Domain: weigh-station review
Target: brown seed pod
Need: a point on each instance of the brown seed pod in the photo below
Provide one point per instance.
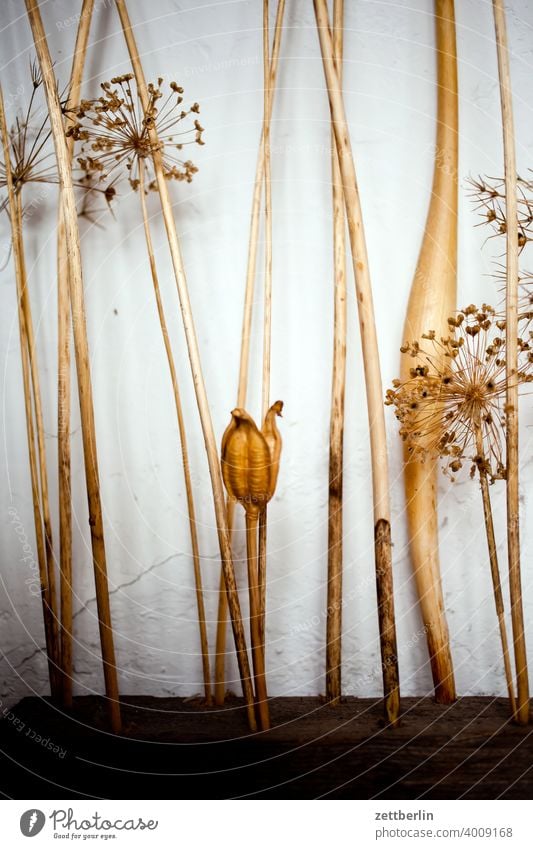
(250, 459)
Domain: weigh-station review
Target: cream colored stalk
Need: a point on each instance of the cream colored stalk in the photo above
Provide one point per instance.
(267, 312)
(199, 385)
(512, 334)
(374, 391)
(432, 300)
(82, 361)
(63, 382)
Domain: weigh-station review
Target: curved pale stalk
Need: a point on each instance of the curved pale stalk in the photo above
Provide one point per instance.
(338, 383)
(495, 571)
(184, 451)
(63, 383)
(198, 380)
(50, 622)
(432, 300)
(374, 390)
(245, 342)
(81, 348)
(511, 408)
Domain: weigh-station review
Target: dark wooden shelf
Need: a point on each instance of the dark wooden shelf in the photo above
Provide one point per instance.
(178, 748)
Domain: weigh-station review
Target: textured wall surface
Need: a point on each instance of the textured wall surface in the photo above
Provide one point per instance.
(215, 51)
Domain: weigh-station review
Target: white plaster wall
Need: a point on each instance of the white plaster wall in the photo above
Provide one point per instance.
(214, 50)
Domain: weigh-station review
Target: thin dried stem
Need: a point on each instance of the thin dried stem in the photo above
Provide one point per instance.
(267, 311)
(338, 383)
(257, 646)
(199, 385)
(511, 310)
(64, 383)
(46, 600)
(495, 571)
(82, 363)
(245, 340)
(39, 430)
(370, 348)
(184, 450)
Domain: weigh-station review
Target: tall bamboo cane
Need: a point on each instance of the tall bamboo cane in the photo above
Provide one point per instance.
(511, 309)
(338, 383)
(199, 385)
(374, 391)
(49, 620)
(245, 338)
(432, 300)
(183, 441)
(82, 362)
(63, 382)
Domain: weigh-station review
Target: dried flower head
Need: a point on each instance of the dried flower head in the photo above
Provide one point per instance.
(31, 151)
(453, 404)
(114, 131)
(31, 157)
(488, 195)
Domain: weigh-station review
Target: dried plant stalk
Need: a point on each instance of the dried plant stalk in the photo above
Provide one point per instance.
(267, 293)
(29, 334)
(255, 613)
(432, 300)
(42, 544)
(495, 573)
(369, 343)
(63, 383)
(184, 450)
(511, 313)
(81, 348)
(245, 344)
(267, 313)
(338, 383)
(199, 385)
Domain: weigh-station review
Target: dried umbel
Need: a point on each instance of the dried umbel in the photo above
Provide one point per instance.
(115, 131)
(488, 195)
(31, 153)
(457, 411)
(453, 406)
(250, 458)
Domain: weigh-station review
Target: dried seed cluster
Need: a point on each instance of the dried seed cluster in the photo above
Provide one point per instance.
(114, 131)
(488, 194)
(453, 404)
(32, 156)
